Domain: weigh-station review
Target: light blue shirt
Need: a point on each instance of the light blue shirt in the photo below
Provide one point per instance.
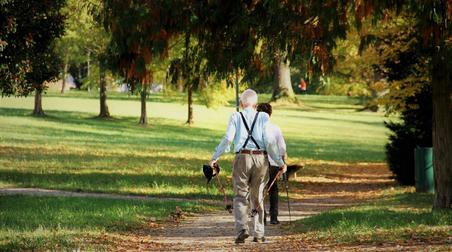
(236, 133)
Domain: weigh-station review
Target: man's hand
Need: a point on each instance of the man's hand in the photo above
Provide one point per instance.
(212, 163)
(283, 168)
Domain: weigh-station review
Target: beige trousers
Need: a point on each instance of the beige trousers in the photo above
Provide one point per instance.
(249, 176)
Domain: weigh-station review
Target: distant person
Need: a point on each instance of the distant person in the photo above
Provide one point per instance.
(249, 132)
(273, 170)
(303, 86)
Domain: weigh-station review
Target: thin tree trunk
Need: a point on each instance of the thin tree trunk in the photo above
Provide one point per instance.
(188, 79)
(88, 70)
(143, 117)
(180, 85)
(282, 85)
(237, 102)
(104, 113)
(63, 86)
(190, 105)
(38, 111)
(442, 126)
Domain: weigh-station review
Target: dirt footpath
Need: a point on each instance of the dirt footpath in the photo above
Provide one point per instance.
(309, 195)
(330, 186)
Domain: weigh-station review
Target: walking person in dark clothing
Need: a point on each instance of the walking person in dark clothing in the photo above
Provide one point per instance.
(273, 169)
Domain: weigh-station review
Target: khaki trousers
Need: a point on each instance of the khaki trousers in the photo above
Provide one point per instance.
(249, 176)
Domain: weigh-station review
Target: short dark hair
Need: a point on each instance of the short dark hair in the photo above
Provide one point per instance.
(265, 107)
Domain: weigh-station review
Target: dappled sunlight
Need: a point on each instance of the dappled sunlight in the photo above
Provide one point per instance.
(340, 184)
(74, 151)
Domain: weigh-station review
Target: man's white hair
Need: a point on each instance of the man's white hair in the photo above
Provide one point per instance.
(248, 98)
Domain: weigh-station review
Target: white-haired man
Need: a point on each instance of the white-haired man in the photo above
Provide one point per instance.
(249, 132)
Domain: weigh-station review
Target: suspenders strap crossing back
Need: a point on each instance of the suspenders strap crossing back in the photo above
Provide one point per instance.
(250, 131)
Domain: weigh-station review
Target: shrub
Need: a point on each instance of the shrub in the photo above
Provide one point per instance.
(414, 130)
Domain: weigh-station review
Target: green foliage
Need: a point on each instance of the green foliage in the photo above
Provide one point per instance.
(403, 61)
(25, 59)
(354, 70)
(138, 36)
(414, 130)
(85, 40)
(72, 45)
(216, 95)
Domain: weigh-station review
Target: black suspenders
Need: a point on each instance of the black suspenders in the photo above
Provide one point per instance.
(250, 131)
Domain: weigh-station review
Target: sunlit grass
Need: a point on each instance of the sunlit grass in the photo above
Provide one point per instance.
(70, 149)
(400, 216)
(31, 223)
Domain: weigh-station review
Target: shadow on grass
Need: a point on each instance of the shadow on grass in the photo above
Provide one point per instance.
(123, 130)
(162, 133)
(161, 98)
(330, 150)
(333, 120)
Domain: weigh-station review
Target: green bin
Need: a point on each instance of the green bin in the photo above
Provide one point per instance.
(423, 168)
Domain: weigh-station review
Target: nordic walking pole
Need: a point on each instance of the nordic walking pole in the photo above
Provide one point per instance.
(254, 211)
(225, 199)
(286, 182)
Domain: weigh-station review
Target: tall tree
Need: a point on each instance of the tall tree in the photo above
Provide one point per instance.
(28, 35)
(190, 70)
(45, 68)
(282, 83)
(70, 46)
(86, 42)
(234, 31)
(440, 24)
(434, 22)
(141, 31)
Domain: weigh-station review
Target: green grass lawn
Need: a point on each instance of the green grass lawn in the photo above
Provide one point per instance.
(71, 150)
(400, 217)
(30, 223)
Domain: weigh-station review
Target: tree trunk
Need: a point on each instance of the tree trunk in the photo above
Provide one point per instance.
(143, 117)
(104, 113)
(88, 70)
(180, 85)
(190, 105)
(38, 103)
(282, 84)
(63, 86)
(237, 88)
(442, 126)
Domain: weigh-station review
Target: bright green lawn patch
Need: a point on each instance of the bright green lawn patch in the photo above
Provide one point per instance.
(71, 150)
(399, 217)
(28, 223)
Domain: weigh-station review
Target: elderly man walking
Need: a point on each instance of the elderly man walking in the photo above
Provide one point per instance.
(249, 132)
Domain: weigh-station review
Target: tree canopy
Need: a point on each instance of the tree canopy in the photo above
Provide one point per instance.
(30, 30)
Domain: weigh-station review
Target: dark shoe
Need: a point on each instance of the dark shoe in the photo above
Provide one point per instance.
(242, 236)
(274, 221)
(259, 239)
